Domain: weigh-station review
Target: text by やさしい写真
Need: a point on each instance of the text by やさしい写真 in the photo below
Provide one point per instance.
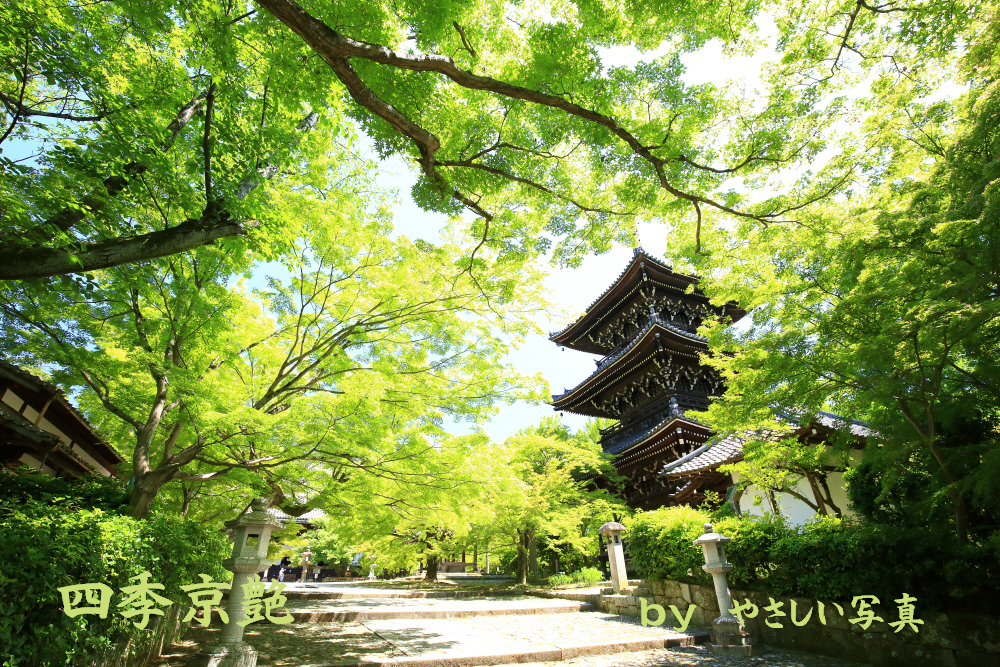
(746, 609)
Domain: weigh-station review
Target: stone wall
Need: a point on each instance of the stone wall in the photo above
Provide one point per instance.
(944, 640)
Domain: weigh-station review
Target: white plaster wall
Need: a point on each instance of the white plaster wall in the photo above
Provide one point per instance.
(12, 399)
(32, 462)
(89, 459)
(796, 511)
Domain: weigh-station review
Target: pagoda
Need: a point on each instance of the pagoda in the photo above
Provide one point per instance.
(644, 327)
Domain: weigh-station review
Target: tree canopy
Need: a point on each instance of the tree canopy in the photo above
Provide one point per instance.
(350, 364)
(883, 306)
(161, 124)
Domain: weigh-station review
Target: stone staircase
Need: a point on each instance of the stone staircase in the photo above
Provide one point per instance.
(346, 626)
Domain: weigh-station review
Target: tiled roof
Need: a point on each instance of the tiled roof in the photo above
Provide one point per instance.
(635, 254)
(19, 423)
(309, 516)
(28, 379)
(730, 448)
(837, 423)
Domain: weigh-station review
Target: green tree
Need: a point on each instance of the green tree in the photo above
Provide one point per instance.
(884, 307)
(161, 121)
(424, 515)
(349, 366)
(547, 489)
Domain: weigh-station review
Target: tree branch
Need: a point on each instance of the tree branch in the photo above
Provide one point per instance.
(26, 111)
(206, 144)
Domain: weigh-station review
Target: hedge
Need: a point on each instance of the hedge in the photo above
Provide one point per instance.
(828, 559)
(587, 575)
(55, 542)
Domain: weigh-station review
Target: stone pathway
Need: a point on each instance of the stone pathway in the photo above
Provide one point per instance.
(315, 609)
(381, 627)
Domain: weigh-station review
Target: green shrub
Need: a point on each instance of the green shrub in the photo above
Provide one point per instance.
(838, 559)
(829, 559)
(91, 492)
(660, 543)
(49, 545)
(750, 550)
(560, 580)
(587, 575)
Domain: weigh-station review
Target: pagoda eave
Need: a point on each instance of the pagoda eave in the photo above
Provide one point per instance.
(673, 432)
(659, 341)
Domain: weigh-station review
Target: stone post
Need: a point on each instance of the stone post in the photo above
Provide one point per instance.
(616, 555)
(252, 535)
(728, 637)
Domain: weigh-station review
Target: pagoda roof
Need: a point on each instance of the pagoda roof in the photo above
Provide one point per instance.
(655, 336)
(666, 433)
(642, 269)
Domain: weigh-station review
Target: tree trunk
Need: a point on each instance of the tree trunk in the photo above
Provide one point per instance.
(145, 488)
(820, 503)
(188, 495)
(961, 514)
(829, 497)
(432, 569)
(929, 436)
(522, 558)
(773, 502)
(141, 502)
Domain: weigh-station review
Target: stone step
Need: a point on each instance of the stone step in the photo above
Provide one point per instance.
(564, 651)
(456, 642)
(641, 591)
(314, 592)
(583, 596)
(349, 611)
(363, 615)
(376, 595)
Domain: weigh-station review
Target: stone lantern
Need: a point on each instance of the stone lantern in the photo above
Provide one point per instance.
(612, 531)
(306, 555)
(728, 637)
(252, 535)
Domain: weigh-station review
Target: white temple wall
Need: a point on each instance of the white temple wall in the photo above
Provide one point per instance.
(796, 511)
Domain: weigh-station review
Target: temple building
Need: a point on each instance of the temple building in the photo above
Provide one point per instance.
(644, 327)
(39, 428)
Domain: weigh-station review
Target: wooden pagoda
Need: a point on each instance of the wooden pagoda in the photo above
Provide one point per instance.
(645, 328)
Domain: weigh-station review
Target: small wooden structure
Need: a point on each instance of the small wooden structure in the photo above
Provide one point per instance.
(41, 429)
